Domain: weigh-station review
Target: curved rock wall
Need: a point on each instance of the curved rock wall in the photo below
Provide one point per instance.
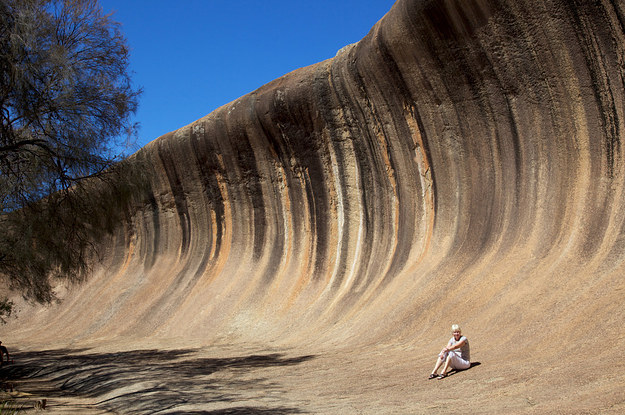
(461, 163)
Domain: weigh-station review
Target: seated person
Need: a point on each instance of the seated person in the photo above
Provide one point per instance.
(455, 355)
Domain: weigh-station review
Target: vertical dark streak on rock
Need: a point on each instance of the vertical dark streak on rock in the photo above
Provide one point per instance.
(177, 190)
(250, 180)
(366, 159)
(156, 229)
(302, 125)
(286, 133)
(276, 246)
(399, 98)
(319, 210)
(206, 163)
(324, 96)
(373, 119)
(598, 56)
(414, 111)
(582, 14)
(500, 140)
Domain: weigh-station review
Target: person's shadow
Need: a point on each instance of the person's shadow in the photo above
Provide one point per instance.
(456, 371)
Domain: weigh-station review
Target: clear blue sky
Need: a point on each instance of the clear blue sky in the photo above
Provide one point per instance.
(193, 56)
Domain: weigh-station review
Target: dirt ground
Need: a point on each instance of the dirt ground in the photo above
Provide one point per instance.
(255, 380)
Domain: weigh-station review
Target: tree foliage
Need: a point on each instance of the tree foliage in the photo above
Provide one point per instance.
(65, 92)
(59, 237)
(65, 99)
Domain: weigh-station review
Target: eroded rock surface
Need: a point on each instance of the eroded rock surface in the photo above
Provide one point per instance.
(461, 163)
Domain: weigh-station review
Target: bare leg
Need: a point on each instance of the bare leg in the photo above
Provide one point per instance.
(447, 362)
(438, 364)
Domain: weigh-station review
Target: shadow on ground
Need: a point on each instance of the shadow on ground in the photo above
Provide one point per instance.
(155, 381)
(456, 371)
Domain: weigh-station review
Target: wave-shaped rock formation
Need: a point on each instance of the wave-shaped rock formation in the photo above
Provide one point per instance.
(461, 163)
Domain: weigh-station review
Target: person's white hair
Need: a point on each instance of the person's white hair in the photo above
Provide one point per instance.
(455, 327)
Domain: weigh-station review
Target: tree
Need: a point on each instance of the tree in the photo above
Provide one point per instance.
(65, 92)
(65, 99)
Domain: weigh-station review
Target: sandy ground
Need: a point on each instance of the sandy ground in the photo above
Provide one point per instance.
(256, 380)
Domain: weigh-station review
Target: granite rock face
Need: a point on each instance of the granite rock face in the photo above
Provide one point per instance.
(461, 163)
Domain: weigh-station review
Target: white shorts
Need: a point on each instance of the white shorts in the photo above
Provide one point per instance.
(456, 361)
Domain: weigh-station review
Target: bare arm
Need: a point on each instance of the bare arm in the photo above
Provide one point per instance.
(455, 346)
